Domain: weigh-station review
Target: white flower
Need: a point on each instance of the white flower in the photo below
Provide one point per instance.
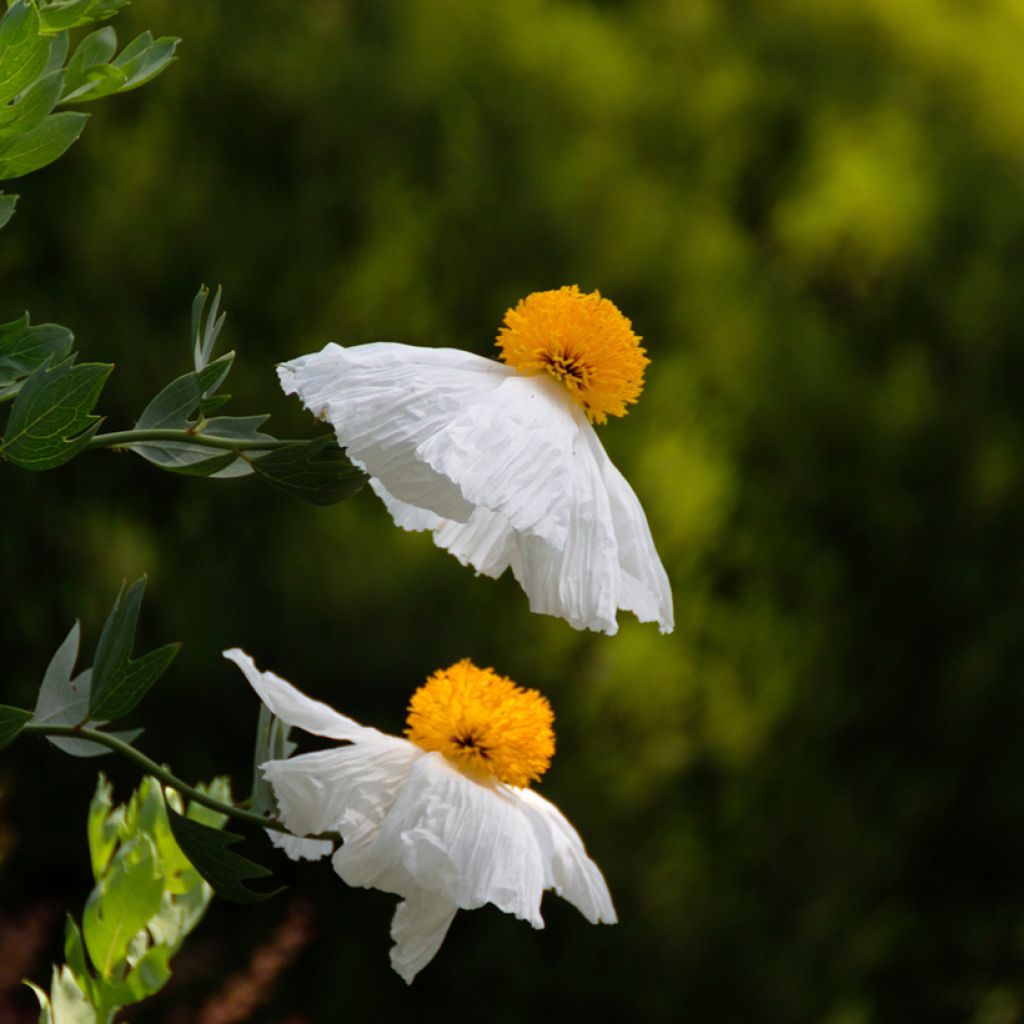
(500, 462)
(430, 818)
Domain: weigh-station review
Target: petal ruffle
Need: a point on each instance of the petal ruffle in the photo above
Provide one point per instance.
(298, 848)
(447, 834)
(345, 789)
(503, 469)
(418, 928)
(384, 400)
(295, 708)
(644, 586)
(572, 874)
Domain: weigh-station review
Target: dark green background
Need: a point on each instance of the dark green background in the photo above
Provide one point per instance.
(809, 800)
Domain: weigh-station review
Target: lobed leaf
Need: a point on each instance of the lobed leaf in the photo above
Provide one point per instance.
(52, 419)
(118, 682)
(24, 348)
(226, 871)
(64, 700)
(317, 471)
(204, 334)
(174, 406)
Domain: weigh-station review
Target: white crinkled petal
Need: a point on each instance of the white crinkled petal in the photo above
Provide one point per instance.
(385, 400)
(503, 469)
(298, 848)
(418, 928)
(572, 874)
(346, 789)
(449, 835)
(645, 589)
(295, 708)
(485, 542)
(512, 454)
(581, 580)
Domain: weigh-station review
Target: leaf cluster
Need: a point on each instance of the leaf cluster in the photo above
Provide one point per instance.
(39, 73)
(52, 419)
(147, 898)
(111, 688)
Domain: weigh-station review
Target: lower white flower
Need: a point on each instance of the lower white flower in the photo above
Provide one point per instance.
(500, 462)
(443, 818)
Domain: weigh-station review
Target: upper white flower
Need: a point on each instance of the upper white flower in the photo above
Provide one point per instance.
(500, 462)
(434, 818)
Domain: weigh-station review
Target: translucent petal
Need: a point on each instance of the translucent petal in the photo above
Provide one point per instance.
(572, 874)
(296, 708)
(345, 789)
(485, 542)
(512, 453)
(579, 581)
(448, 834)
(645, 589)
(384, 400)
(298, 848)
(419, 926)
(503, 469)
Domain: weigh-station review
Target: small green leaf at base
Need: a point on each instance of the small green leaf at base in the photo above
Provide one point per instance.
(317, 471)
(226, 871)
(122, 903)
(12, 721)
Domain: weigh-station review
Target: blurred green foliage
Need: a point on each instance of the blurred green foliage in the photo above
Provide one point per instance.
(807, 801)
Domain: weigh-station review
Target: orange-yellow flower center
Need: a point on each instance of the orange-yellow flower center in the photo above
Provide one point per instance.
(582, 341)
(483, 723)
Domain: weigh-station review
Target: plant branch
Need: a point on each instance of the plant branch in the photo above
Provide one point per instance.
(165, 776)
(122, 438)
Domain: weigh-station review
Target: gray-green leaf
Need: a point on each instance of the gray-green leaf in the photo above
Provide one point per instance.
(52, 419)
(118, 682)
(24, 348)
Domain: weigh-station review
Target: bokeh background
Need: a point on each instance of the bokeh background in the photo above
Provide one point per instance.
(809, 800)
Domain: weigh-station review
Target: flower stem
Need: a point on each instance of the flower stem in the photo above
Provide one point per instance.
(150, 766)
(121, 438)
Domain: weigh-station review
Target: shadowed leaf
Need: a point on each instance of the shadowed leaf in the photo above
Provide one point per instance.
(226, 871)
(11, 722)
(317, 471)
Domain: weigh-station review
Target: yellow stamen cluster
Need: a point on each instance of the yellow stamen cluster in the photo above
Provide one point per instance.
(483, 723)
(583, 341)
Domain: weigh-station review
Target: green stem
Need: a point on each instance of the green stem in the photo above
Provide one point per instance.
(120, 438)
(80, 732)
